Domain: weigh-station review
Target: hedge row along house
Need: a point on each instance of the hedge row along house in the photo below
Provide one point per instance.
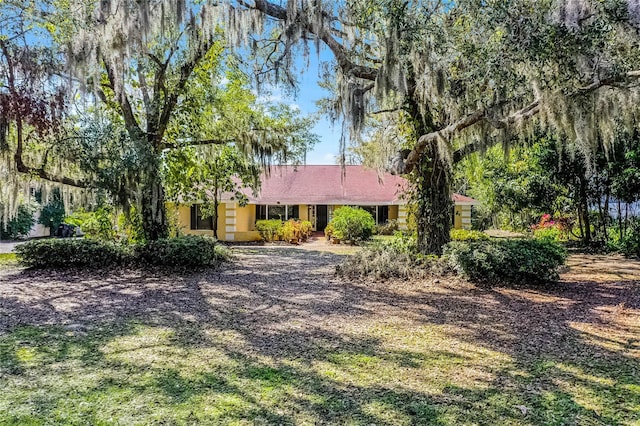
(313, 193)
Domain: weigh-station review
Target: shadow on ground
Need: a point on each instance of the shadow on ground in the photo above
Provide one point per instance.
(273, 338)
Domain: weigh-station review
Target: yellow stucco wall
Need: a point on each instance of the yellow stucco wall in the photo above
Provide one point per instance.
(393, 212)
(246, 218)
(462, 217)
(303, 210)
(240, 221)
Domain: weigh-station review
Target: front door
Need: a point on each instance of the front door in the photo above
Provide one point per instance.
(321, 217)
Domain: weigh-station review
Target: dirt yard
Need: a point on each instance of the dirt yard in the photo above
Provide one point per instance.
(274, 338)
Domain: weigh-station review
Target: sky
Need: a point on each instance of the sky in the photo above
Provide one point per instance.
(327, 149)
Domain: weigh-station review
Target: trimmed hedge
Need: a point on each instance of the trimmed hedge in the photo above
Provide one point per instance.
(512, 261)
(187, 251)
(71, 252)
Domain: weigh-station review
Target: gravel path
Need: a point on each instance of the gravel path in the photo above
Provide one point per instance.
(275, 282)
(267, 293)
(7, 247)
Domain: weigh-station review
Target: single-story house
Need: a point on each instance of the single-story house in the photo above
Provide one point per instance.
(313, 193)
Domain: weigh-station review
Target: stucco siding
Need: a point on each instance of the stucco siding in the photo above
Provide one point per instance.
(393, 212)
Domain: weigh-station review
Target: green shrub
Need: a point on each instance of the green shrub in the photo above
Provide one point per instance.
(97, 225)
(306, 228)
(465, 235)
(328, 231)
(290, 231)
(393, 258)
(295, 230)
(189, 250)
(52, 214)
(20, 225)
(71, 252)
(547, 234)
(629, 242)
(509, 260)
(352, 224)
(269, 230)
(387, 228)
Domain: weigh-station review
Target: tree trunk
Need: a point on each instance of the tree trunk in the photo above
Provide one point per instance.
(433, 180)
(585, 210)
(620, 230)
(214, 216)
(154, 214)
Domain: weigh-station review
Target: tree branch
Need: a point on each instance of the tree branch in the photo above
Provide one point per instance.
(324, 34)
(123, 101)
(478, 116)
(201, 142)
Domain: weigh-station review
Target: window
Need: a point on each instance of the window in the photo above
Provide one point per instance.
(370, 209)
(197, 222)
(293, 212)
(383, 214)
(277, 212)
(261, 212)
(280, 212)
(380, 213)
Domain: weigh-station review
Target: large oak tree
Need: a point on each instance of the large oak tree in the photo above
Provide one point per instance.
(462, 75)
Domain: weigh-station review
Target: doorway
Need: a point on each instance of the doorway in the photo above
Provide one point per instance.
(321, 217)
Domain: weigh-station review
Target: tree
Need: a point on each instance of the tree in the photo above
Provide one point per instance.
(32, 109)
(463, 75)
(205, 179)
(143, 62)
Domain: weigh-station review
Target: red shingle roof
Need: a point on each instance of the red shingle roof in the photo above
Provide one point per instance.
(328, 185)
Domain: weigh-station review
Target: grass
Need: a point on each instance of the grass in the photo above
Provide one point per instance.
(8, 259)
(251, 346)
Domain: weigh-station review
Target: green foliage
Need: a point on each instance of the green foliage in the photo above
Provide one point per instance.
(71, 252)
(514, 189)
(269, 230)
(292, 230)
(20, 225)
(397, 257)
(328, 231)
(352, 224)
(130, 229)
(186, 251)
(387, 228)
(295, 230)
(547, 234)
(465, 235)
(8, 258)
(53, 213)
(626, 241)
(97, 224)
(203, 176)
(509, 260)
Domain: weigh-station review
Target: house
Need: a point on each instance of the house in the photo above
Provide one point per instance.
(312, 193)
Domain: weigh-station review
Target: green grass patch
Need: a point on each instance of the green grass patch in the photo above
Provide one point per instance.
(8, 259)
(141, 374)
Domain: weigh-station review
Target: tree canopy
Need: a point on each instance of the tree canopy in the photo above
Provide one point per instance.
(148, 77)
(462, 75)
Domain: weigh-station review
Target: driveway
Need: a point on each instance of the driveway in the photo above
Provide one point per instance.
(7, 247)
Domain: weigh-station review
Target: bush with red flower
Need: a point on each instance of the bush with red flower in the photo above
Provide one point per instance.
(553, 229)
